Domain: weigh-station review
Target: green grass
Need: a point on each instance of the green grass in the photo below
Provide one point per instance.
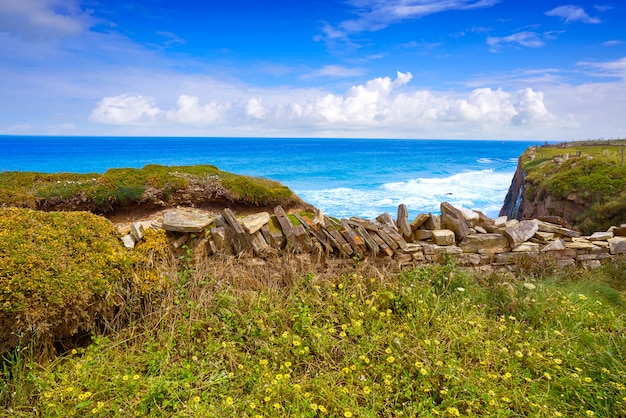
(595, 179)
(122, 186)
(227, 338)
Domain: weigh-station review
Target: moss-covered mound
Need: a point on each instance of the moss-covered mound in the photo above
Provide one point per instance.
(152, 185)
(585, 183)
(56, 270)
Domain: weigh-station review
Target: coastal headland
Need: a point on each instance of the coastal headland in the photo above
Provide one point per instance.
(191, 291)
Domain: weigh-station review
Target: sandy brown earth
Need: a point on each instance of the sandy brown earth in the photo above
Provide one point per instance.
(144, 213)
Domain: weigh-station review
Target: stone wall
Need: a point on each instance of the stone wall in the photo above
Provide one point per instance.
(470, 236)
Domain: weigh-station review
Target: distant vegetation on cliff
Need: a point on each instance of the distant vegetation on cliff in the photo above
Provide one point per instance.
(152, 185)
(583, 182)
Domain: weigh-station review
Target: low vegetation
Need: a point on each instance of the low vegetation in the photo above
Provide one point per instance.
(193, 337)
(56, 270)
(152, 184)
(593, 176)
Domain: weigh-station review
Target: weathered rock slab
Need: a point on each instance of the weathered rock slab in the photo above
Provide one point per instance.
(253, 223)
(422, 235)
(601, 236)
(443, 237)
(470, 216)
(129, 241)
(619, 231)
(178, 220)
(403, 221)
(419, 220)
(556, 245)
(453, 219)
(556, 229)
(500, 221)
(521, 233)
(618, 245)
(526, 247)
(485, 244)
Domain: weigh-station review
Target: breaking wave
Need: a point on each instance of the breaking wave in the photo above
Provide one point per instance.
(484, 190)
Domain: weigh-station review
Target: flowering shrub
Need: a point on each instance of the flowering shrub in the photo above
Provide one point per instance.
(56, 269)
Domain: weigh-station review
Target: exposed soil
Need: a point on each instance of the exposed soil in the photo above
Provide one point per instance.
(144, 212)
(148, 209)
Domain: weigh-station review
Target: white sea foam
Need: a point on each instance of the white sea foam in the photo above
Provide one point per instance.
(484, 190)
(484, 161)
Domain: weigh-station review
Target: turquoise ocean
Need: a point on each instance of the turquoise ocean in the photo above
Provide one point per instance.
(343, 177)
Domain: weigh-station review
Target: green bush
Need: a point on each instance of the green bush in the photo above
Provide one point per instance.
(56, 269)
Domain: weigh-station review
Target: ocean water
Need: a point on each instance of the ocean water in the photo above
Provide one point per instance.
(343, 177)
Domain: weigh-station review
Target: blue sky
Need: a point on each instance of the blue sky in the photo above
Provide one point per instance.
(483, 69)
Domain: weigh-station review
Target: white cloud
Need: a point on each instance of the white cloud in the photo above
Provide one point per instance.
(43, 19)
(334, 71)
(125, 110)
(189, 111)
(380, 104)
(255, 109)
(374, 15)
(571, 13)
(606, 69)
(529, 108)
(528, 39)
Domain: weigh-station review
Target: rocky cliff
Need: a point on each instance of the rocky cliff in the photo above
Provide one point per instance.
(584, 184)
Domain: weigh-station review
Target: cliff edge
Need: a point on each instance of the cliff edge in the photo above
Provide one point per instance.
(130, 193)
(583, 183)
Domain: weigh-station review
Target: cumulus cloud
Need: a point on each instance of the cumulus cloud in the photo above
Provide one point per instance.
(125, 110)
(135, 110)
(571, 13)
(383, 104)
(189, 111)
(43, 19)
(528, 39)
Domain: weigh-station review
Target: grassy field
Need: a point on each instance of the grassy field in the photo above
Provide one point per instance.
(235, 337)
